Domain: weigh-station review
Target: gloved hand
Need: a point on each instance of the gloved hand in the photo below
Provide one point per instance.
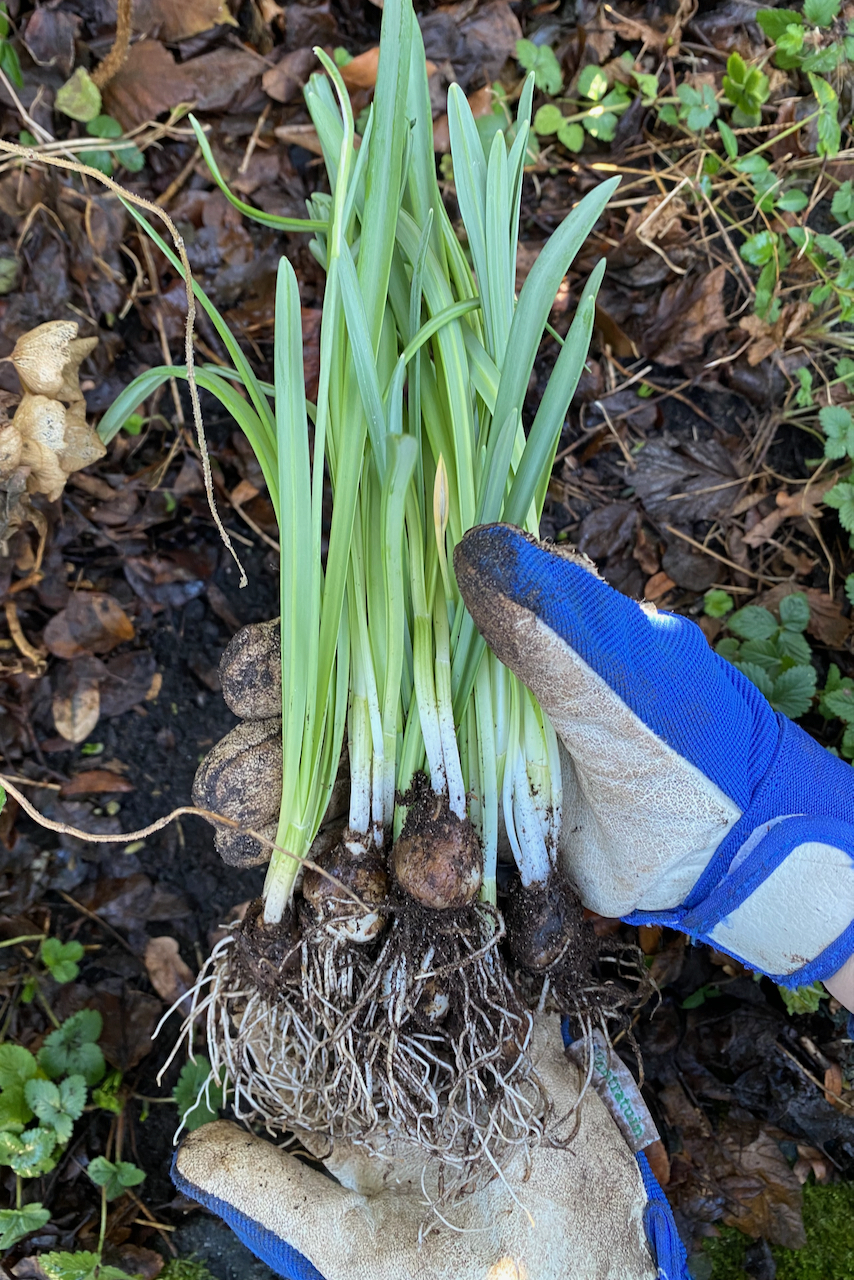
(687, 800)
(578, 1215)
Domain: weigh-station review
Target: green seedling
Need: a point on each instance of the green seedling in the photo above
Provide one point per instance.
(61, 959)
(747, 88)
(717, 603)
(541, 62)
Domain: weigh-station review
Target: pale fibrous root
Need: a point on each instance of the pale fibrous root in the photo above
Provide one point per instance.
(419, 1035)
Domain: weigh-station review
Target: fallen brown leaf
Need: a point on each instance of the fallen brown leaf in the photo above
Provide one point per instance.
(173, 22)
(76, 715)
(167, 972)
(94, 782)
(361, 73)
(688, 313)
(284, 82)
(92, 622)
(658, 585)
(806, 502)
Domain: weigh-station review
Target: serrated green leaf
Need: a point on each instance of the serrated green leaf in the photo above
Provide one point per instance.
(753, 623)
(795, 611)
(792, 644)
(17, 1223)
(82, 1265)
(838, 426)
(839, 704)
(841, 498)
(764, 654)
(71, 1049)
(79, 97)
(541, 60)
(760, 678)
(793, 691)
(717, 603)
(114, 1176)
(775, 21)
(728, 648)
(30, 1153)
(824, 61)
(17, 1066)
(61, 958)
(759, 248)
(821, 12)
(197, 1095)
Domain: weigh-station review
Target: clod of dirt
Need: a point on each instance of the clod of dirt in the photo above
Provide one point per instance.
(437, 857)
(545, 924)
(267, 953)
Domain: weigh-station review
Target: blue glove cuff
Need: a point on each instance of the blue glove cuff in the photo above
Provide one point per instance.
(817, 790)
(276, 1253)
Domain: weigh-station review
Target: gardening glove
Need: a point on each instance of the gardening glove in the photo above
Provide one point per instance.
(579, 1213)
(686, 800)
(241, 777)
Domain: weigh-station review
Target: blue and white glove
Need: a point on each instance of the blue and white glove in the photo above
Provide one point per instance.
(687, 801)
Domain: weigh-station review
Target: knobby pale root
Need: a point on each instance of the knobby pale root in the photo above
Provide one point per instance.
(420, 1036)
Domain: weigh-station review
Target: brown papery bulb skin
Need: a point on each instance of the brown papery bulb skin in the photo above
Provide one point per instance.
(331, 895)
(437, 857)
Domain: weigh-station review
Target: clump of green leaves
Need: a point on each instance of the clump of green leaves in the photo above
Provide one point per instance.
(836, 702)
(774, 654)
(747, 88)
(717, 603)
(696, 108)
(598, 109)
(61, 959)
(803, 999)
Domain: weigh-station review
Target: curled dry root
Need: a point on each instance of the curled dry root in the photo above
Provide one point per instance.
(419, 1034)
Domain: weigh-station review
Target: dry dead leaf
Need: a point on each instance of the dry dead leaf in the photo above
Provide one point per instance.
(658, 585)
(284, 82)
(92, 622)
(170, 976)
(149, 82)
(806, 503)
(361, 73)
(688, 313)
(95, 782)
(173, 22)
(76, 715)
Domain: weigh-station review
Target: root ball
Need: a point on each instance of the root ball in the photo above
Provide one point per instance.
(544, 924)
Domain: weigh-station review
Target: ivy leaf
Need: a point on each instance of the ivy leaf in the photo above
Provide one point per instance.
(82, 1265)
(541, 60)
(795, 612)
(17, 1066)
(753, 623)
(794, 691)
(821, 12)
(61, 958)
(79, 97)
(841, 498)
(71, 1049)
(17, 1223)
(196, 1104)
(838, 426)
(114, 1176)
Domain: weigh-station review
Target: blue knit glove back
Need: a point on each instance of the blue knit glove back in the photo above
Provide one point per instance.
(687, 800)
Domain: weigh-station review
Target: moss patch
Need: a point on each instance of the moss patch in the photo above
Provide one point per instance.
(829, 1251)
(185, 1269)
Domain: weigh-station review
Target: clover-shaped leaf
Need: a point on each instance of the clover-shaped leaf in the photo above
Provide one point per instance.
(114, 1176)
(71, 1049)
(57, 1106)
